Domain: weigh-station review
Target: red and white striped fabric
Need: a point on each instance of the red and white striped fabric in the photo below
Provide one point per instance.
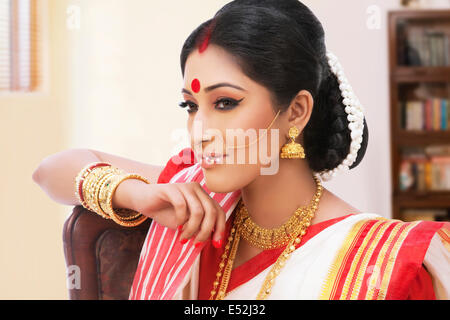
(164, 262)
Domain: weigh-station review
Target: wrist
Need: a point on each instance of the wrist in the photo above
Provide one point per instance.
(124, 195)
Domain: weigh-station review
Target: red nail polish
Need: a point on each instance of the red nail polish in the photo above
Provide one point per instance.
(198, 244)
(180, 227)
(217, 243)
(183, 241)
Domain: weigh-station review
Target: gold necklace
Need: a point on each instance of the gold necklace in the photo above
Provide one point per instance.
(265, 239)
(233, 241)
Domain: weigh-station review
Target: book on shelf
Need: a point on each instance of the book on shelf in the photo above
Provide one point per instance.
(425, 169)
(425, 47)
(409, 215)
(432, 114)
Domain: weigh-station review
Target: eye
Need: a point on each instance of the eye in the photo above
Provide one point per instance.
(227, 103)
(188, 104)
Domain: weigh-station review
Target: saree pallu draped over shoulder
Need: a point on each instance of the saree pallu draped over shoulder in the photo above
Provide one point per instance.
(357, 256)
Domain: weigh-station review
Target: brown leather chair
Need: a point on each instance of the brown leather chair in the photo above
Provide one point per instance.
(105, 254)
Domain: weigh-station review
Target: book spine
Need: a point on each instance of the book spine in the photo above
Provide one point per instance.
(428, 173)
(437, 114)
(447, 102)
(429, 114)
(443, 115)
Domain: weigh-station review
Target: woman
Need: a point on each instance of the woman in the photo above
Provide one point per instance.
(264, 228)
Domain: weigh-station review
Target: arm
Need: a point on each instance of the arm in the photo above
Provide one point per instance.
(56, 174)
(170, 205)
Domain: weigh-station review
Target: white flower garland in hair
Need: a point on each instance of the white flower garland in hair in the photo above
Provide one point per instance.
(355, 116)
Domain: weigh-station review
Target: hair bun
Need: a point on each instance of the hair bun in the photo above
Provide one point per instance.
(332, 131)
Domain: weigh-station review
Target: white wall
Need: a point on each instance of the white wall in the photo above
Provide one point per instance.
(33, 126)
(127, 75)
(115, 86)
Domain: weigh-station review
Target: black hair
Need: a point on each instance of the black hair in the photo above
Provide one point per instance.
(280, 44)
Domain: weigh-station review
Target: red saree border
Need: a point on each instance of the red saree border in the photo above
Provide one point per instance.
(347, 260)
(410, 258)
(381, 264)
(332, 287)
(444, 235)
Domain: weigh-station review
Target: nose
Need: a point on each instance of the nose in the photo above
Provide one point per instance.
(199, 131)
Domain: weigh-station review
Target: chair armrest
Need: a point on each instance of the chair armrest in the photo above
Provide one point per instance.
(105, 253)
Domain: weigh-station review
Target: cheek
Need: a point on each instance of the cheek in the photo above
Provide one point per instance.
(255, 139)
(255, 115)
(249, 157)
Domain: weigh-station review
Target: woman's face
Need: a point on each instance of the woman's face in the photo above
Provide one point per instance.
(222, 100)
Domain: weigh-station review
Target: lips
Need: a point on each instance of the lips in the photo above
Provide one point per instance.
(213, 154)
(212, 158)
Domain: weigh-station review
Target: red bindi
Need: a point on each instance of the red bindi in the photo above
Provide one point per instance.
(195, 85)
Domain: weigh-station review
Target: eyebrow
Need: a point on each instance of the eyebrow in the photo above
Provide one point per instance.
(215, 86)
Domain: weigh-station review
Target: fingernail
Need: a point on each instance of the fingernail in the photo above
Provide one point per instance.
(217, 243)
(183, 241)
(198, 244)
(180, 227)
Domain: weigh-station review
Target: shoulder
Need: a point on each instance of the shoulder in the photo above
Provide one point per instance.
(183, 159)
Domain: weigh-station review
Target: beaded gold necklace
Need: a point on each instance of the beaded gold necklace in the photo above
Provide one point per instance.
(303, 216)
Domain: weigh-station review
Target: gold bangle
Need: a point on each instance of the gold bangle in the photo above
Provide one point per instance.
(88, 184)
(128, 223)
(111, 211)
(102, 197)
(92, 183)
(97, 188)
(81, 176)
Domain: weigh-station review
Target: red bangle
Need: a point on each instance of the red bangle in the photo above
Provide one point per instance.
(82, 175)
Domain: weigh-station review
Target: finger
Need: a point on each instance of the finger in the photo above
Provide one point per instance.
(209, 218)
(196, 212)
(218, 236)
(219, 228)
(176, 198)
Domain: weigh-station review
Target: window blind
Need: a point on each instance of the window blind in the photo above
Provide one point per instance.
(19, 45)
(5, 50)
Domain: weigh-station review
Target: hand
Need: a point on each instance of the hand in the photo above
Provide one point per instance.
(183, 205)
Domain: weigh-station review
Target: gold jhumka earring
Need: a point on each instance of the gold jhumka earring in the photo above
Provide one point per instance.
(292, 149)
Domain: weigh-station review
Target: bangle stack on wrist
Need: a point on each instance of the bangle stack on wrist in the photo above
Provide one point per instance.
(95, 186)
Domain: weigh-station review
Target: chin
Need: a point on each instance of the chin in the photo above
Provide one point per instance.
(219, 182)
(217, 185)
(224, 179)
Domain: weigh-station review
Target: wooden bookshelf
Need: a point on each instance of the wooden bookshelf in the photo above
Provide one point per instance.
(419, 69)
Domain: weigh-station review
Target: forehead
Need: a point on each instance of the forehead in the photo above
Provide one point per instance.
(211, 66)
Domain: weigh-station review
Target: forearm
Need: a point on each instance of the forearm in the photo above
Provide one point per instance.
(56, 174)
